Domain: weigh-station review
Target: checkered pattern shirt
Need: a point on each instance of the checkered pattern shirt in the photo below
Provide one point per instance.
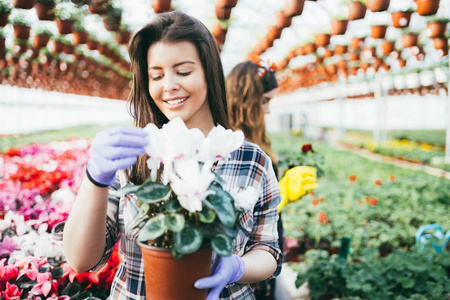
(247, 167)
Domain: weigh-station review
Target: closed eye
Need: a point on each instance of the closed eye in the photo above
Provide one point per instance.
(184, 73)
(156, 78)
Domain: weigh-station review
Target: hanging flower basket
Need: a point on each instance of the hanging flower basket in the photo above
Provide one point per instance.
(378, 31)
(168, 278)
(440, 43)
(40, 41)
(160, 6)
(21, 31)
(356, 10)
(322, 39)
(4, 19)
(378, 5)
(409, 40)
(427, 7)
(283, 21)
(23, 4)
(45, 11)
(293, 8)
(64, 26)
(401, 19)
(339, 27)
(387, 47)
(436, 28)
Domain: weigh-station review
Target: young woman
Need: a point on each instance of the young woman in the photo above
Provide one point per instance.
(177, 73)
(250, 87)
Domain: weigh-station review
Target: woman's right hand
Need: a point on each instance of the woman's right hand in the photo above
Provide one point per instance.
(115, 148)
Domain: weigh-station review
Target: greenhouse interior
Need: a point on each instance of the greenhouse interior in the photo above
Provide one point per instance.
(359, 127)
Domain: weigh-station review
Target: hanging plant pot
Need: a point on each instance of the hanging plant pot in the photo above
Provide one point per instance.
(309, 48)
(45, 11)
(80, 37)
(112, 24)
(401, 62)
(92, 44)
(340, 49)
(219, 33)
(354, 56)
(40, 41)
(293, 8)
(283, 21)
(222, 12)
(123, 37)
(378, 5)
(378, 31)
(274, 33)
(356, 10)
(21, 32)
(436, 28)
(23, 4)
(339, 27)
(356, 43)
(98, 8)
(401, 19)
(20, 48)
(168, 278)
(103, 49)
(160, 6)
(322, 39)
(4, 19)
(427, 7)
(440, 43)
(68, 49)
(56, 47)
(228, 3)
(409, 40)
(387, 47)
(64, 26)
(328, 53)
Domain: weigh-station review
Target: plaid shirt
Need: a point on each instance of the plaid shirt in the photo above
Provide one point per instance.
(247, 167)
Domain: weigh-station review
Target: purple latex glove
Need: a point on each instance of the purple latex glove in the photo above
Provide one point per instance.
(230, 269)
(113, 149)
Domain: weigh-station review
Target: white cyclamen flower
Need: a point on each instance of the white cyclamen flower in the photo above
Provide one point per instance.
(156, 149)
(219, 143)
(190, 183)
(245, 199)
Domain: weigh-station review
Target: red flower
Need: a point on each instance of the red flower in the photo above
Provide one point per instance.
(352, 178)
(315, 202)
(323, 219)
(312, 193)
(12, 292)
(378, 182)
(307, 148)
(13, 151)
(392, 178)
(373, 201)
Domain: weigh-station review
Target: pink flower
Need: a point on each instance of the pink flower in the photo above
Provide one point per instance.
(12, 292)
(7, 272)
(7, 246)
(45, 284)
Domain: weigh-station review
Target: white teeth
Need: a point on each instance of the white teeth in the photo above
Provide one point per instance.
(177, 101)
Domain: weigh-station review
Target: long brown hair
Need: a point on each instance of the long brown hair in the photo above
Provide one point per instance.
(172, 27)
(245, 92)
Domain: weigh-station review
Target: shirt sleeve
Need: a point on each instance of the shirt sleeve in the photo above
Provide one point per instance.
(112, 230)
(264, 235)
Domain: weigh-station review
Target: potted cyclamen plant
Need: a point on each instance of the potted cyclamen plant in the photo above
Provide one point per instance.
(184, 211)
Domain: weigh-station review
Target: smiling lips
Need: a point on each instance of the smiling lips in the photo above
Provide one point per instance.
(176, 101)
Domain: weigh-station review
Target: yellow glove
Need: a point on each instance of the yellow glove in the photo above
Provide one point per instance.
(296, 183)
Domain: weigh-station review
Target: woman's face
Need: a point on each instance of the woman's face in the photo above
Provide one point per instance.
(266, 99)
(177, 83)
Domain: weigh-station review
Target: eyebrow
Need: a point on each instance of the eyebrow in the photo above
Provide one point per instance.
(174, 66)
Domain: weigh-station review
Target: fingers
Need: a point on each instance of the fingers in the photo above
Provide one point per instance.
(115, 153)
(125, 130)
(209, 282)
(214, 293)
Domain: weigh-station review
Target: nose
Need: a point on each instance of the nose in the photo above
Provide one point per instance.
(170, 83)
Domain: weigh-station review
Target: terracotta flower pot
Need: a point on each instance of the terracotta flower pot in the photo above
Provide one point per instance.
(80, 37)
(369, 52)
(21, 32)
(339, 27)
(293, 8)
(427, 7)
(401, 62)
(401, 19)
(20, 48)
(228, 3)
(387, 47)
(167, 278)
(340, 49)
(23, 4)
(64, 26)
(40, 40)
(440, 43)
(112, 24)
(322, 39)
(160, 6)
(436, 28)
(97, 8)
(309, 48)
(222, 12)
(123, 37)
(328, 53)
(92, 44)
(356, 43)
(409, 40)
(4, 19)
(45, 11)
(356, 10)
(354, 56)
(378, 31)
(378, 5)
(331, 69)
(56, 47)
(274, 33)
(283, 21)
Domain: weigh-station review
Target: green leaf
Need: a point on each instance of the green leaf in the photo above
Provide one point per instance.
(187, 240)
(222, 245)
(175, 222)
(207, 215)
(173, 205)
(57, 272)
(128, 189)
(151, 192)
(223, 204)
(407, 282)
(142, 216)
(153, 229)
(218, 179)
